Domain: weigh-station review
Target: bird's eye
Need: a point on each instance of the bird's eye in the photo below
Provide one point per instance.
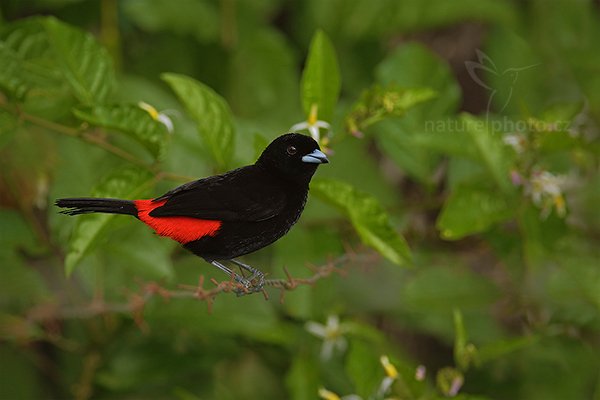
(291, 150)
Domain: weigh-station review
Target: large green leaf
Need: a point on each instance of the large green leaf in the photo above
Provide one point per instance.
(471, 210)
(131, 120)
(85, 65)
(11, 78)
(540, 235)
(362, 365)
(211, 113)
(27, 59)
(491, 150)
(320, 83)
(498, 349)
(368, 218)
(302, 378)
(124, 183)
(514, 77)
(42, 53)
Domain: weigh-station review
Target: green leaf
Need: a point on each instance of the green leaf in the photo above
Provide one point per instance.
(540, 235)
(84, 63)
(497, 349)
(259, 144)
(124, 183)
(471, 210)
(11, 78)
(320, 84)
(26, 58)
(368, 218)
(302, 379)
(363, 367)
(517, 82)
(445, 140)
(131, 120)
(197, 18)
(491, 150)
(414, 66)
(432, 292)
(211, 113)
(148, 259)
(263, 72)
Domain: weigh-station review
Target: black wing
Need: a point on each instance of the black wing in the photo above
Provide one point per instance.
(245, 194)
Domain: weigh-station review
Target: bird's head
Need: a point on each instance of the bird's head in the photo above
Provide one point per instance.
(292, 156)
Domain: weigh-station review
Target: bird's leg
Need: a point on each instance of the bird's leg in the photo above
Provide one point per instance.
(257, 275)
(245, 282)
(248, 285)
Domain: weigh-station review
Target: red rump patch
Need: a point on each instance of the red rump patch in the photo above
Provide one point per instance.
(181, 229)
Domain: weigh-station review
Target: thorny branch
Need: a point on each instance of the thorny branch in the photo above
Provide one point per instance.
(50, 313)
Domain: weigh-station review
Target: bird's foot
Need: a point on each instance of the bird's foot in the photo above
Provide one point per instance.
(246, 285)
(252, 284)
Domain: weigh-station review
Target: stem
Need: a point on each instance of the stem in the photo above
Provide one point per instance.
(84, 389)
(174, 177)
(228, 25)
(109, 29)
(103, 144)
(85, 136)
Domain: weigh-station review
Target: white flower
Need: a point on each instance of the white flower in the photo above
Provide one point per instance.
(312, 125)
(420, 373)
(332, 334)
(545, 191)
(517, 141)
(161, 117)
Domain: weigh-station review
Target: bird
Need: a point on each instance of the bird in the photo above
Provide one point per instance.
(222, 217)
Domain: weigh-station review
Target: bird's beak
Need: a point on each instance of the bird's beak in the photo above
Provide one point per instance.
(316, 157)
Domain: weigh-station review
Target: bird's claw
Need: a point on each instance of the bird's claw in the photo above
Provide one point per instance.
(243, 285)
(252, 284)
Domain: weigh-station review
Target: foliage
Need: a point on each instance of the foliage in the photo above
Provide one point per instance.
(463, 139)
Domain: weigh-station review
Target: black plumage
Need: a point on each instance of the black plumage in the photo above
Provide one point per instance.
(226, 216)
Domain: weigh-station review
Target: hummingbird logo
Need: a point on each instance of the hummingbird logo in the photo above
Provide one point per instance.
(507, 78)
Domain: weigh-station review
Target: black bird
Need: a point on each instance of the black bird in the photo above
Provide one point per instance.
(225, 216)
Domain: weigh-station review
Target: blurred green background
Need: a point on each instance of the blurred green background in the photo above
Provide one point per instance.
(468, 128)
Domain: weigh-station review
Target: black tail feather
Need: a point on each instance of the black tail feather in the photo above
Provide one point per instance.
(85, 205)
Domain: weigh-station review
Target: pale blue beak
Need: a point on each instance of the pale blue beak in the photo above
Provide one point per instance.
(316, 157)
